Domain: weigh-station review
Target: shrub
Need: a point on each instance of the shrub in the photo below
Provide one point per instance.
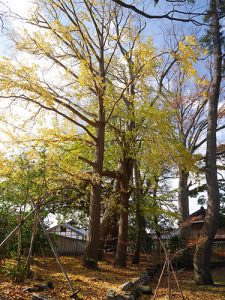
(13, 271)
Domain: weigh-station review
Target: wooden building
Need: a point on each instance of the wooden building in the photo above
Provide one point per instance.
(68, 239)
(196, 221)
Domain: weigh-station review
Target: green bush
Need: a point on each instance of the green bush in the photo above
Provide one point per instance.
(13, 271)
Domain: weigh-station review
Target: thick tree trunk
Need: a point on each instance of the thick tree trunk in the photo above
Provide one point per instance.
(138, 225)
(127, 163)
(183, 203)
(138, 221)
(108, 232)
(109, 226)
(157, 226)
(183, 195)
(121, 250)
(186, 258)
(204, 248)
(91, 251)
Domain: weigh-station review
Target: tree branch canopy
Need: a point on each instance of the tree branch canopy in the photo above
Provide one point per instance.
(188, 16)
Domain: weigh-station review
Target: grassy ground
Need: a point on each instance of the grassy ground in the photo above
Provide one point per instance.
(94, 284)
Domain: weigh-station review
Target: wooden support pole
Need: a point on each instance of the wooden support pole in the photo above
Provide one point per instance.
(168, 278)
(55, 254)
(160, 278)
(168, 265)
(175, 277)
(14, 231)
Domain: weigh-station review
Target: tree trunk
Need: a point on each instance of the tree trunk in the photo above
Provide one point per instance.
(183, 203)
(19, 250)
(109, 226)
(108, 232)
(204, 248)
(158, 234)
(91, 252)
(139, 223)
(136, 255)
(183, 195)
(121, 250)
(157, 226)
(186, 258)
(127, 163)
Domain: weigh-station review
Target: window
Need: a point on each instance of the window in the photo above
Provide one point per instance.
(62, 229)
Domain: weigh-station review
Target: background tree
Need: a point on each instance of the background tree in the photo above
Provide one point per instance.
(204, 248)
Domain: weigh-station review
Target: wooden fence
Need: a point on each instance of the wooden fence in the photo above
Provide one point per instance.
(69, 246)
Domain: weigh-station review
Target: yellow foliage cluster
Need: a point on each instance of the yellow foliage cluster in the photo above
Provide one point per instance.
(35, 42)
(188, 53)
(144, 55)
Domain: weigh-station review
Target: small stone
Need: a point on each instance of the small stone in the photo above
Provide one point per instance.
(146, 289)
(40, 287)
(114, 296)
(126, 286)
(127, 293)
(136, 292)
(38, 297)
(129, 297)
(145, 278)
(119, 297)
(136, 281)
(111, 292)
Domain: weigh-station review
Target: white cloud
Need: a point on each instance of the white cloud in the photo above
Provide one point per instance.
(21, 7)
(16, 11)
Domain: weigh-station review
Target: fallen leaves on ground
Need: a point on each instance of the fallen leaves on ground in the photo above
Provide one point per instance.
(93, 285)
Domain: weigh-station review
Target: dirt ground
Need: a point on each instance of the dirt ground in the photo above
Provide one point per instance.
(93, 285)
(192, 291)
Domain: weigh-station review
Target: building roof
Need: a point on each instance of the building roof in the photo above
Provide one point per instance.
(198, 216)
(80, 231)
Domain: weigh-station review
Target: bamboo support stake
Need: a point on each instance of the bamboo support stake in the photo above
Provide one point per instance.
(55, 254)
(160, 278)
(168, 278)
(175, 277)
(168, 265)
(14, 231)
